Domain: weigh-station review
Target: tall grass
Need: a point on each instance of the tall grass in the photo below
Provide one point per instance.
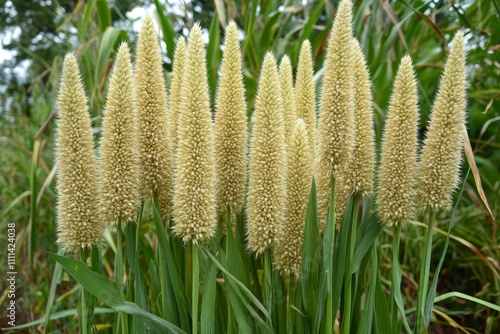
(230, 277)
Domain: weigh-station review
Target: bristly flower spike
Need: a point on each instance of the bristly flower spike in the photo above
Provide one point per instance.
(305, 95)
(336, 120)
(267, 182)
(231, 128)
(288, 93)
(175, 92)
(119, 150)
(288, 251)
(155, 150)
(442, 151)
(78, 223)
(194, 192)
(398, 166)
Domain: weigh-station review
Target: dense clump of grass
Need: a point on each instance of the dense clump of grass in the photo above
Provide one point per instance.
(282, 266)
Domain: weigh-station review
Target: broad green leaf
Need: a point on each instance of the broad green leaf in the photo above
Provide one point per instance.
(107, 291)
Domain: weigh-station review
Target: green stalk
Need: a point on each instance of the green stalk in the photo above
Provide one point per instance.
(196, 284)
(119, 270)
(268, 287)
(291, 302)
(83, 299)
(395, 259)
(424, 276)
(329, 300)
(230, 328)
(346, 325)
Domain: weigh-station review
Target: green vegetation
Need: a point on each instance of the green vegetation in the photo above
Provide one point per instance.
(468, 288)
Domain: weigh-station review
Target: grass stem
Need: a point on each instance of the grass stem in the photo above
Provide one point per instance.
(83, 298)
(229, 230)
(424, 277)
(291, 302)
(395, 285)
(119, 270)
(329, 300)
(348, 281)
(196, 283)
(268, 286)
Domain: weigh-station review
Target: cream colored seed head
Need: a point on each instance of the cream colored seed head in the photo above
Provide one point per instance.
(397, 174)
(286, 81)
(78, 223)
(267, 183)
(194, 192)
(155, 150)
(442, 151)
(175, 92)
(305, 95)
(288, 251)
(119, 149)
(336, 120)
(231, 127)
(362, 165)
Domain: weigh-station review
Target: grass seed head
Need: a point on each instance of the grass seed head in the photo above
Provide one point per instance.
(119, 150)
(336, 129)
(397, 174)
(288, 93)
(175, 92)
(442, 151)
(288, 251)
(231, 127)
(194, 192)
(305, 95)
(267, 182)
(155, 149)
(78, 223)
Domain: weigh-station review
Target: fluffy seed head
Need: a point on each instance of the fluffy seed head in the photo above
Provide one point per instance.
(305, 93)
(335, 129)
(194, 192)
(287, 91)
(78, 224)
(288, 251)
(155, 152)
(397, 175)
(267, 184)
(119, 150)
(231, 127)
(442, 151)
(175, 92)
(362, 165)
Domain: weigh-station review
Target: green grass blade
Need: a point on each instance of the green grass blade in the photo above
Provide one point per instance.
(311, 255)
(208, 303)
(168, 268)
(110, 39)
(134, 280)
(396, 281)
(107, 291)
(382, 314)
(469, 298)
(59, 315)
(33, 197)
(366, 322)
(432, 290)
(213, 55)
(242, 292)
(365, 242)
(166, 29)
(56, 277)
(103, 15)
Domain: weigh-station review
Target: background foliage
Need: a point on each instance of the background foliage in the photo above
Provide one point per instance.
(42, 32)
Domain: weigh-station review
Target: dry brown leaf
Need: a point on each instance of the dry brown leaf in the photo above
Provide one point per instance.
(477, 178)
